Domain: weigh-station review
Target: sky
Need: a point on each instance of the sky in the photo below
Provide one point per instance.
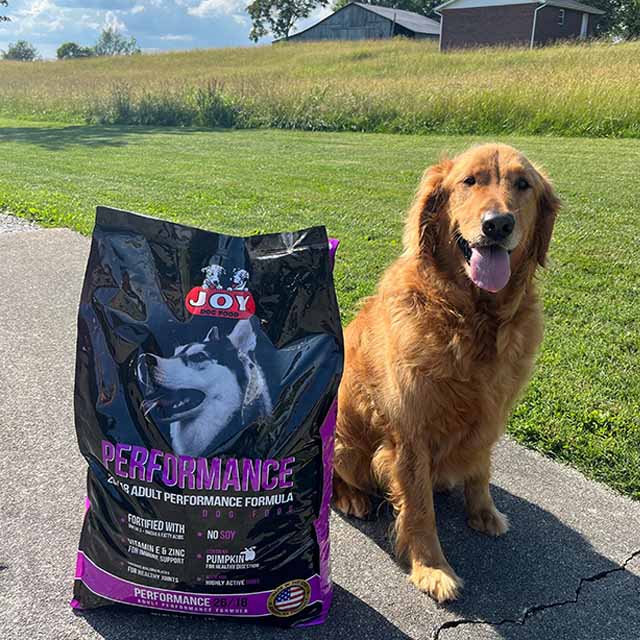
(156, 24)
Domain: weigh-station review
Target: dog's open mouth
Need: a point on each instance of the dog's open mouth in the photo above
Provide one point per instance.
(489, 265)
(169, 405)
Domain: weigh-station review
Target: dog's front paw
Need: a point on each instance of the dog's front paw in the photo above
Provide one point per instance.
(441, 584)
(489, 521)
(352, 502)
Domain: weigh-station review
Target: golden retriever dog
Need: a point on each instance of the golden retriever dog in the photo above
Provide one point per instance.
(435, 360)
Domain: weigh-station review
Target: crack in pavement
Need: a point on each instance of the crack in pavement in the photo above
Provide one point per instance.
(533, 609)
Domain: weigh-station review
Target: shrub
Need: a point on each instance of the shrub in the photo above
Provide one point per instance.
(73, 50)
(112, 43)
(21, 50)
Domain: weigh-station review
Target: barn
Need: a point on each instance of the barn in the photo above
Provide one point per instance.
(474, 23)
(359, 21)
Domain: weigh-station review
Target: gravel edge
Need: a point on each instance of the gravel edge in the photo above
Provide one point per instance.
(9, 224)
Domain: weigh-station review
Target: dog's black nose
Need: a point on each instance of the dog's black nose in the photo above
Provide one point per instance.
(498, 226)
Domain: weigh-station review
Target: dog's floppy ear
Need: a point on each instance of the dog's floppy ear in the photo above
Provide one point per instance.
(548, 207)
(420, 232)
(243, 337)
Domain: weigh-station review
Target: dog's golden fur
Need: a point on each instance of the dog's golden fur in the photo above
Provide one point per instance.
(434, 364)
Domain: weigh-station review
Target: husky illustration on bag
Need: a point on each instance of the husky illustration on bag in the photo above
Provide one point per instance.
(204, 386)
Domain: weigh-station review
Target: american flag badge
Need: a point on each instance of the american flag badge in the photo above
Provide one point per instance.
(289, 598)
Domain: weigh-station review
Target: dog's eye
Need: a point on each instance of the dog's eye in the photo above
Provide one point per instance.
(198, 357)
(469, 181)
(522, 184)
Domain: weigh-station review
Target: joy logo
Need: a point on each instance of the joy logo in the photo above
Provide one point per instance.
(213, 299)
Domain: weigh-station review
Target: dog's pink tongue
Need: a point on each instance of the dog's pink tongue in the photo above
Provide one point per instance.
(490, 268)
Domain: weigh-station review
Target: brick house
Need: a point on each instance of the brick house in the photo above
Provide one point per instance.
(475, 23)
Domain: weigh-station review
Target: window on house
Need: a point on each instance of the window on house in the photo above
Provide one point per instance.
(561, 17)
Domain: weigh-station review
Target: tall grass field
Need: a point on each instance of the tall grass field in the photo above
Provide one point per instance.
(395, 86)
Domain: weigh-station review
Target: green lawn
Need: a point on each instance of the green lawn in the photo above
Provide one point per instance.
(583, 404)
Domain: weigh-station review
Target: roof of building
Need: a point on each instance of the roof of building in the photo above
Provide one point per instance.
(577, 6)
(563, 4)
(407, 19)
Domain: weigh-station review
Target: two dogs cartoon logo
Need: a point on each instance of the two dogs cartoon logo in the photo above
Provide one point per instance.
(212, 298)
(214, 273)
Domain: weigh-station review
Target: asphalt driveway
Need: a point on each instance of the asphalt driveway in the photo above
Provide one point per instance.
(567, 569)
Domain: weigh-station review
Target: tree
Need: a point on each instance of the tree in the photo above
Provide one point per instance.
(604, 25)
(621, 18)
(631, 19)
(424, 7)
(3, 18)
(112, 43)
(72, 50)
(21, 50)
(278, 16)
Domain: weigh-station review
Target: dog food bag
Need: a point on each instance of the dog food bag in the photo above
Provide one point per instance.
(205, 403)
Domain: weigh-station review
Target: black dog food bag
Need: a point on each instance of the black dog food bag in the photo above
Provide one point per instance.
(205, 404)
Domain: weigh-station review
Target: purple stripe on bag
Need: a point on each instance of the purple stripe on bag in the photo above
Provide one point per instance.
(117, 589)
(327, 431)
(333, 247)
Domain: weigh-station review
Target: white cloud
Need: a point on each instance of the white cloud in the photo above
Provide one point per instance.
(38, 17)
(88, 21)
(111, 21)
(174, 37)
(156, 24)
(36, 9)
(208, 8)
